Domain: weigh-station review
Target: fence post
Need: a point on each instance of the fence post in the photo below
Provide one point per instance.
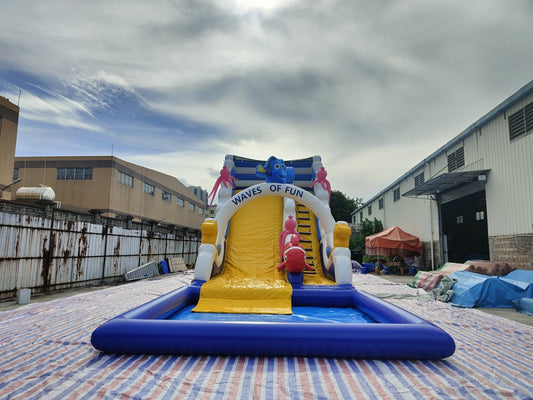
(106, 228)
(47, 254)
(166, 241)
(140, 244)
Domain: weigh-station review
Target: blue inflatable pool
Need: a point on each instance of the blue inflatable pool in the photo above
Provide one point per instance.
(242, 265)
(380, 330)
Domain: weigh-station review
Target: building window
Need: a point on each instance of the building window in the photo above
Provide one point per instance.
(361, 216)
(15, 174)
(166, 196)
(396, 194)
(74, 173)
(200, 210)
(380, 204)
(521, 122)
(125, 179)
(480, 215)
(180, 202)
(419, 179)
(456, 159)
(459, 219)
(369, 210)
(148, 189)
(191, 207)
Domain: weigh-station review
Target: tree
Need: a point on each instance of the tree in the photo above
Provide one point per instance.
(342, 206)
(370, 227)
(357, 242)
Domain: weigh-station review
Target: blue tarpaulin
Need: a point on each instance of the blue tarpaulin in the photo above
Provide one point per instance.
(476, 290)
(524, 305)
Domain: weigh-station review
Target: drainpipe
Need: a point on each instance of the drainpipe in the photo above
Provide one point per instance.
(431, 221)
(444, 257)
(431, 228)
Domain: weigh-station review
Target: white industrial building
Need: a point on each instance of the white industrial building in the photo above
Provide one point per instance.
(473, 197)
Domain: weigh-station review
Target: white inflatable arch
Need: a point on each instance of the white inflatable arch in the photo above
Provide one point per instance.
(251, 193)
(207, 253)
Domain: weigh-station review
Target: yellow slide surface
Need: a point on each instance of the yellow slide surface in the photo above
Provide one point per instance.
(250, 282)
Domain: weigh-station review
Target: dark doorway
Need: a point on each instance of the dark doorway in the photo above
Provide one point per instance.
(464, 222)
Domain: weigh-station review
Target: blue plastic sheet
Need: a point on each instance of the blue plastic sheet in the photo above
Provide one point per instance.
(164, 267)
(475, 290)
(521, 278)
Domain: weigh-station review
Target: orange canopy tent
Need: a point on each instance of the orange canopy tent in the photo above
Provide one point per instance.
(393, 241)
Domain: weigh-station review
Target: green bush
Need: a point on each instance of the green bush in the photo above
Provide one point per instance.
(372, 258)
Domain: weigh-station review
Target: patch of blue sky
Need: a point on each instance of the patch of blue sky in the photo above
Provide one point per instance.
(85, 117)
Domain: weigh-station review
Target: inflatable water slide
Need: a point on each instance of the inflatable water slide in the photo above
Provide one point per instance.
(273, 277)
(254, 212)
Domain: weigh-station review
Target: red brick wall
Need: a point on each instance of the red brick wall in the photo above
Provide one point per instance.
(515, 250)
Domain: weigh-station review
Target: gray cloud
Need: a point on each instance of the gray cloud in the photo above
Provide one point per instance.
(353, 81)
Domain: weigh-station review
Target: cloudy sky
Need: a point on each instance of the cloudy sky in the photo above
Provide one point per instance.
(371, 86)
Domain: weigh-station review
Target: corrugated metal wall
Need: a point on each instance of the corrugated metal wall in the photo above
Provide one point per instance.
(509, 184)
(47, 253)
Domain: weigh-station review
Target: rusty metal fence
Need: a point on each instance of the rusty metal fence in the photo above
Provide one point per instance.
(58, 249)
